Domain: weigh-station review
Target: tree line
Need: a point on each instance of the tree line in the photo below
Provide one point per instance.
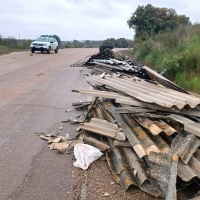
(14, 43)
(119, 43)
(83, 44)
(11, 42)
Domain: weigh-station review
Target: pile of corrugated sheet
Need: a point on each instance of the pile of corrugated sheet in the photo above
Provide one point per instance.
(147, 125)
(107, 55)
(105, 52)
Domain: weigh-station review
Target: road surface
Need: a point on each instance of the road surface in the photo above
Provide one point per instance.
(35, 91)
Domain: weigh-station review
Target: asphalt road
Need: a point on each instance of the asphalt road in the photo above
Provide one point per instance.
(35, 91)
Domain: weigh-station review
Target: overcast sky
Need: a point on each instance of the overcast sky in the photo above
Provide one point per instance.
(79, 19)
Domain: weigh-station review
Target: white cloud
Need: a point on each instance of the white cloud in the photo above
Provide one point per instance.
(78, 19)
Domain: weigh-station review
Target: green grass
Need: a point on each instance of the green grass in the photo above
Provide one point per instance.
(189, 81)
(178, 52)
(6, 50)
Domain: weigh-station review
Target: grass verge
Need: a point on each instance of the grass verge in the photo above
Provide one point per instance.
(6, 50)
(178, 52)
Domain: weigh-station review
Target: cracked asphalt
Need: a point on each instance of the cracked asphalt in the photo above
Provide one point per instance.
(35, 91)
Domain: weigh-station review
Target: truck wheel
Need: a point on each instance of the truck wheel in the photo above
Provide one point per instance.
(48, 51)
(32, 50)
(56, 51)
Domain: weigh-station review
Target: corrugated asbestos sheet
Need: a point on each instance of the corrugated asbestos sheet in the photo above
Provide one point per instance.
(104, 128)
(123, 99)
(157, 121)
(150, 93)
(162, 80)
(156, 127)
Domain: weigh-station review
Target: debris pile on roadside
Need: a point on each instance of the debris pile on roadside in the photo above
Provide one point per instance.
(105, 52)
(148, 127)
(107, 56)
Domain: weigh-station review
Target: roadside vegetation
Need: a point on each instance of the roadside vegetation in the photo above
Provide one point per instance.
(178, 52)
(174, 50)
(8, 45)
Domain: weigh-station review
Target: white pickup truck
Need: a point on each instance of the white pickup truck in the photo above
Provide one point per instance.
(44, 43)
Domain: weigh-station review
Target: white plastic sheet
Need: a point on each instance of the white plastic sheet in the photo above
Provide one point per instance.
(85, 154)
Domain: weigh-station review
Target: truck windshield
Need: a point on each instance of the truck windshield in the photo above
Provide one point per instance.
(43, 39)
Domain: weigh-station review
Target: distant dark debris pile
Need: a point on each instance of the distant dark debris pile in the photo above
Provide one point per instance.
(105, 54)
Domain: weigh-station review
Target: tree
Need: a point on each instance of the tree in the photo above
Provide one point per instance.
(77, 44)
(58, 39)
(130, 43)
(110, 42)
(68, 44)
(122, 43)
(149, 20)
